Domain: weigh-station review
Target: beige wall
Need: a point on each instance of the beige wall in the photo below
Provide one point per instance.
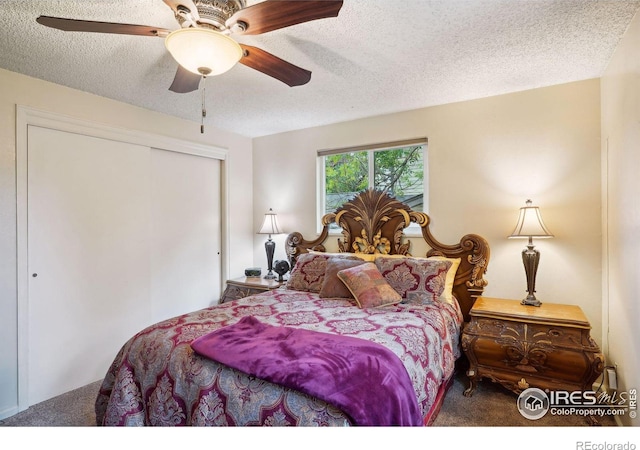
(486, 157)
(21, 90)
(621, 209)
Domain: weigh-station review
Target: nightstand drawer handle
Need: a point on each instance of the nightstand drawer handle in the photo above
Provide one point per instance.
(522, 384)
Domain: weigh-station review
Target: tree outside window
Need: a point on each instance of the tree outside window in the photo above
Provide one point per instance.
(398, 171)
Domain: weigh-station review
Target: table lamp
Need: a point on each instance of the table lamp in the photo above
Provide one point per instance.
(270, 226)
(530, 225)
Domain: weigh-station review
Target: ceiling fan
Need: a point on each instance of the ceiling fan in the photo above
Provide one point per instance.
(202, 45)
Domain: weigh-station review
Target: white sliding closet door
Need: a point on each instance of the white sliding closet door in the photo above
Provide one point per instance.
(88, 216)
(185, 232)
(119, 236)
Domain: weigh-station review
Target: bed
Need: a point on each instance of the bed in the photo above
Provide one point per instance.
(368, 335)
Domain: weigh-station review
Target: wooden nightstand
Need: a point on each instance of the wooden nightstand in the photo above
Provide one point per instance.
(244, 286)
(548, 347)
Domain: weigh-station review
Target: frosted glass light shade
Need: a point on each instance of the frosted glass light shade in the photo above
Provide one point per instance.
(203, 51)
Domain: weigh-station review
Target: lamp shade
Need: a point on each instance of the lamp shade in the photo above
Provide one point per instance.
(270, 224)
(530, 224)
(203, 51)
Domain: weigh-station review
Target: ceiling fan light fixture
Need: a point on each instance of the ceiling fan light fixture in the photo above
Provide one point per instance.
(202, 50)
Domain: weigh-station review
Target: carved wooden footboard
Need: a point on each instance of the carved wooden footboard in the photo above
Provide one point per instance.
(374, 223)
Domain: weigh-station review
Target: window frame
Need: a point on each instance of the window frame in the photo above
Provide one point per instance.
(413, 229)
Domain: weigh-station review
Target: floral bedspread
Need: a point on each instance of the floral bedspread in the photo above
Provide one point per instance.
(158, 380)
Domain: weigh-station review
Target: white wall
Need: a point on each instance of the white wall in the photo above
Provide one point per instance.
(621, 209)
(17, 89)
(486, 158)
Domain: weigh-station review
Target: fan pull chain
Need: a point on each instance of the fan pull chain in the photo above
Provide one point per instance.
(204, 109)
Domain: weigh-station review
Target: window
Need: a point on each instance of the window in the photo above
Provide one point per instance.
(397, 168)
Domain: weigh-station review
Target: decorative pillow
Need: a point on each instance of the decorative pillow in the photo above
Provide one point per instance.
(417, 280)
(447, 293)
(308, 272)
(368, 286)
(332, 286)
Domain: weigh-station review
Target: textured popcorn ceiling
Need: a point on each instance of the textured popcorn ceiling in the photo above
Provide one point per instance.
(376, 57)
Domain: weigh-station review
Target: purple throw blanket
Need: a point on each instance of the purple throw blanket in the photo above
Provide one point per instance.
(362, 378)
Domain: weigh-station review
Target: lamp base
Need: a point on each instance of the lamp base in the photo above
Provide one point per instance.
(531, 300)
(270, 246)
(531, 258)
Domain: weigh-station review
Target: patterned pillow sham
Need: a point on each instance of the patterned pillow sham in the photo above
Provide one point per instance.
(447, 293)
(368, 286)
(308, 273)
(417, 280)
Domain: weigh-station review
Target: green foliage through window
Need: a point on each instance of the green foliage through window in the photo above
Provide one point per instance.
(398, 171)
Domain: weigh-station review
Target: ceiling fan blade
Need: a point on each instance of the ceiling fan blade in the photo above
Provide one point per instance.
(185, 81)
(101, 27)
(274, 14)
(273, 66)
(176, 5)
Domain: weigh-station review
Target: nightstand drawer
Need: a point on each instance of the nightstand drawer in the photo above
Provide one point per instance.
(505, 329)
(540, 359)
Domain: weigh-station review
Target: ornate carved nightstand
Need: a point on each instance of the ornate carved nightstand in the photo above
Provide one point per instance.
(548, 347)
(245, 286)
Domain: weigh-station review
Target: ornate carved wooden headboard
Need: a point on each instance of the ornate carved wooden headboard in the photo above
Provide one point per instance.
(373, 222)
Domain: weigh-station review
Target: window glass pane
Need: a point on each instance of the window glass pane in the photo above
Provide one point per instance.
(400, 172)
(346, 174)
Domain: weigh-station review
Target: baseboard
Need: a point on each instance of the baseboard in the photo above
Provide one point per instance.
(6, 413)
